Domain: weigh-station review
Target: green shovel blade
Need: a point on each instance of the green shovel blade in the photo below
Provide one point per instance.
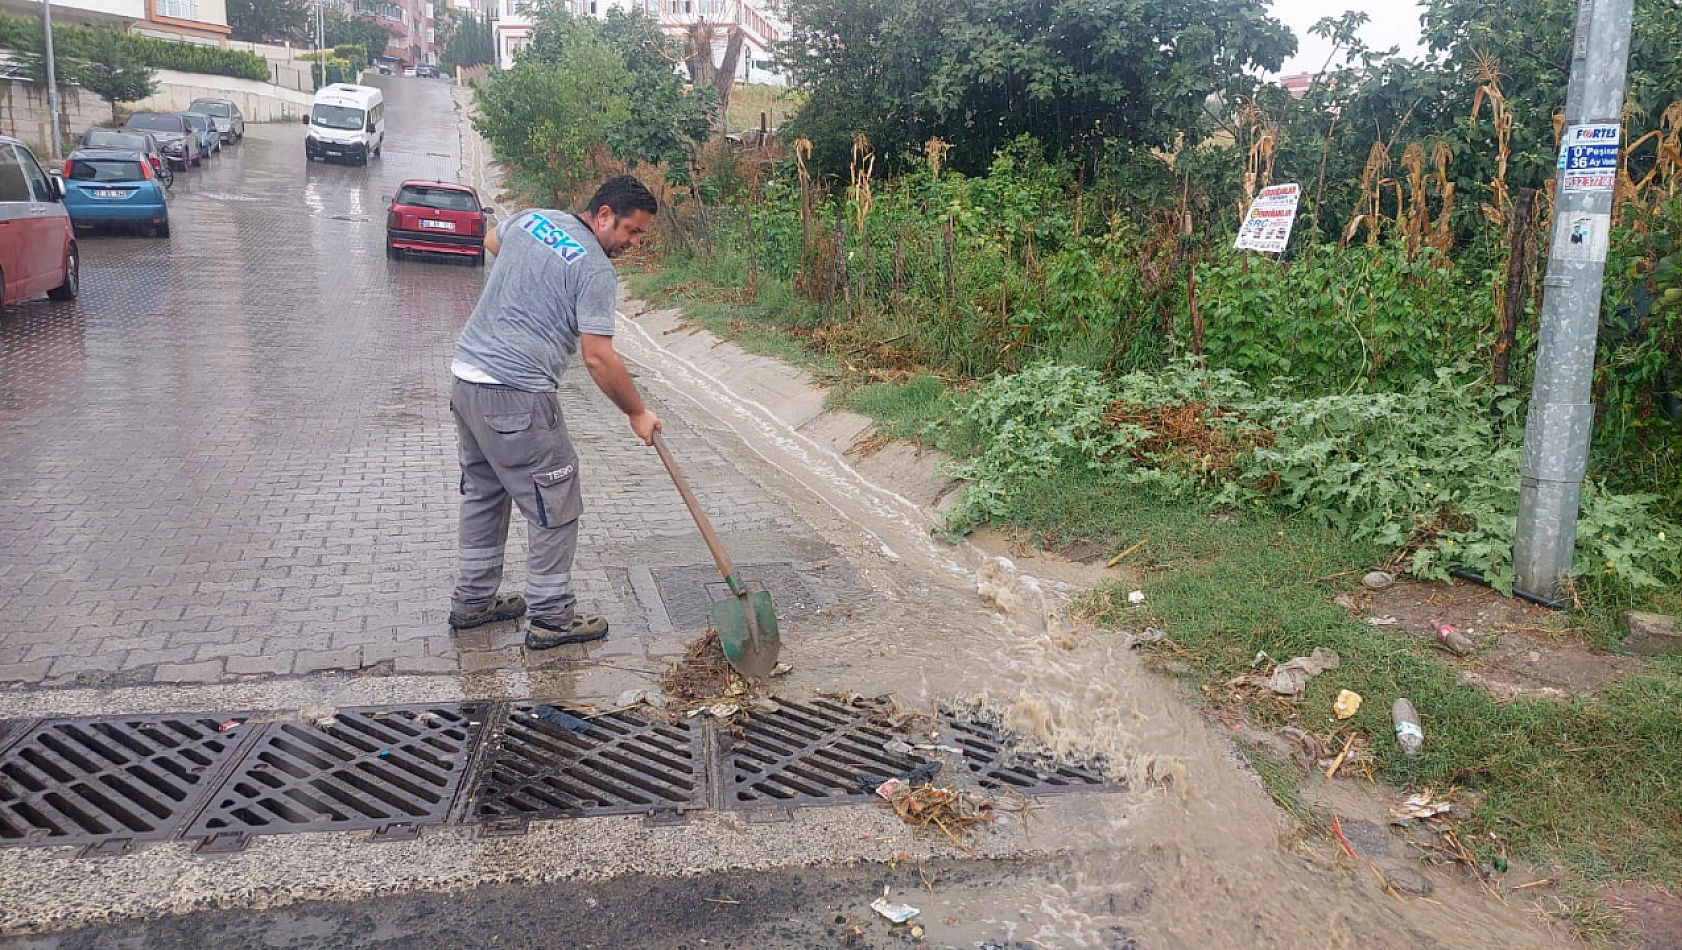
(747, 629)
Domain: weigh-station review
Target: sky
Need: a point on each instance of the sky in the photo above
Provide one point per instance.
(1395, 23)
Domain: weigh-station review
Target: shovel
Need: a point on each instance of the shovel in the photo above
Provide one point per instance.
(747, 623)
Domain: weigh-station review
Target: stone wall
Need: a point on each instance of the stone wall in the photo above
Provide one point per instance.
(24, 114)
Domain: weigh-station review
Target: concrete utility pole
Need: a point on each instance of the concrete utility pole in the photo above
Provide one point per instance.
(52, 75)
(1561, 417)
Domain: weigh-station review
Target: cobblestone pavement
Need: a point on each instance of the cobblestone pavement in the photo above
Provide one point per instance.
(233, 455)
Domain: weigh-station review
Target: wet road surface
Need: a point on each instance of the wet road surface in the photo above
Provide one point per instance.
(233, 456)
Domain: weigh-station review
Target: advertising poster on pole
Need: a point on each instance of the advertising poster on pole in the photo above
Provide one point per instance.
(1589, 157)
(1268, 225)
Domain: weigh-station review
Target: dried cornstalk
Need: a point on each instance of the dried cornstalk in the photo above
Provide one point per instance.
(936, 150)
(1489, 74)
(1370, 211)
(1263, 136)
(863, 169)
(1442, 234)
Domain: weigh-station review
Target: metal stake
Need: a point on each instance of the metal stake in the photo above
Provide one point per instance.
(1561, 417)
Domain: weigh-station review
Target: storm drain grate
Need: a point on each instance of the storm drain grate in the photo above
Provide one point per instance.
(97, 780)
(996, 759)
(688, 592)
(547, 762)
(392, 769)
(813, 753)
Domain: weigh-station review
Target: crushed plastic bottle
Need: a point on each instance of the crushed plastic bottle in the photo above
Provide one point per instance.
(1453, 640)
(1408, 733)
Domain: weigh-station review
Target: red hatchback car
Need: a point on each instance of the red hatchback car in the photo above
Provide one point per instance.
(435, 217)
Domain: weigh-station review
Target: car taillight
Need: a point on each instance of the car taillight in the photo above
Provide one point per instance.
(145, 171)
(473, 226)
(393, 220)
(156, 163)
(65, 172)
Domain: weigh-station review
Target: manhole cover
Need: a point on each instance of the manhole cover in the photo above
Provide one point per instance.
(387, 768)
(547, 762)
(814, 753)
(688, 592)
(93, 780)
(996, 759)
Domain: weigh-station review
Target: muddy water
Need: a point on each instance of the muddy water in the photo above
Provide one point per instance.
(1196, 854)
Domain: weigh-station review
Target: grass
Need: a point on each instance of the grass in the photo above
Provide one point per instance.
(748, 100)
(1596, 783)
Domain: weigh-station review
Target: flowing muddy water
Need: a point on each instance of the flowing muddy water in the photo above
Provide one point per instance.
(1195, 854)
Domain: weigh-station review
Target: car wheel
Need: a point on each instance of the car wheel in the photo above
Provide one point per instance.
(392, 253)
(479, 259)
(179, 166)
(161, 230)
(72, 277)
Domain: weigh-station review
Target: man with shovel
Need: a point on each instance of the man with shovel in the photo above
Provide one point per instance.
(550, 295)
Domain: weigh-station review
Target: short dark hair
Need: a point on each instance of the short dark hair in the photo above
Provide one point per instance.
(623, 195)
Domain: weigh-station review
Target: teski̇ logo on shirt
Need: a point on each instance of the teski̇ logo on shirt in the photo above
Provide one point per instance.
(553, 237)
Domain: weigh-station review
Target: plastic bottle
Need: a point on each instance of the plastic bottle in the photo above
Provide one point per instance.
(1408, 734)
(1453, 640)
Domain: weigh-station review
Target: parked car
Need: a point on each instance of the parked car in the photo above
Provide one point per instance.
(37, 243)
(435, 217)
(107, 186)
(178, 140)
(225, 115)
(410, 70)
(426, 71)
(210, 141)
(385, 69)
(135, 141)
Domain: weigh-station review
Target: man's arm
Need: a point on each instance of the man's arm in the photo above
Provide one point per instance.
(608, 370)
(493, 243)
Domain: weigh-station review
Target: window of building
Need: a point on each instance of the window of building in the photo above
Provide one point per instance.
(179, 9)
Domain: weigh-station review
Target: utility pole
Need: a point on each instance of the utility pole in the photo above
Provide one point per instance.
(1561, 417)
(52, 75)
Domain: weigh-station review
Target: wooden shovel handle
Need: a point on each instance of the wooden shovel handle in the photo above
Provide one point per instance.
(713, 545)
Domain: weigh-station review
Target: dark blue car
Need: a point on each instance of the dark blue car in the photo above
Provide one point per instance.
(108, 186)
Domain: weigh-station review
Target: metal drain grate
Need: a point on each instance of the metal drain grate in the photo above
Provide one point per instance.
(688, 592)
(995, 759)
(808, 754)
(392, 769)
(110, 779)
(546, 762)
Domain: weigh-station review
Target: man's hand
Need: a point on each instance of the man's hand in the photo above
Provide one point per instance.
(645, 424)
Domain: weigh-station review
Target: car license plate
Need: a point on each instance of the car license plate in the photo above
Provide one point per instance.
(439, 225)
(109, 193)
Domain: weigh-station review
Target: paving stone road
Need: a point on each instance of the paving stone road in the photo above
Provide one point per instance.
(233, 456)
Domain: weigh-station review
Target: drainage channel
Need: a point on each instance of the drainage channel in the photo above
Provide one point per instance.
(107, 784)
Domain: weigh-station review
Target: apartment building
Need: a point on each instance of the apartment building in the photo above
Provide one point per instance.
(761, 27)
(195, 21)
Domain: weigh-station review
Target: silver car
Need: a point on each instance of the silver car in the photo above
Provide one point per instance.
(224, 114)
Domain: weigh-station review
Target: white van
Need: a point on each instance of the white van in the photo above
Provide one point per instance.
(346, 121)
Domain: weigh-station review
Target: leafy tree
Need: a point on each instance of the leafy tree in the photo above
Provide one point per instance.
(665, 123)
(340, 30)
(558, 101)
(268, 21)
(471, 42)
(978, 73)
(107, 66)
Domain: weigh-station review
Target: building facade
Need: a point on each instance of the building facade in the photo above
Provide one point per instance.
(195, 21)
(761, 27)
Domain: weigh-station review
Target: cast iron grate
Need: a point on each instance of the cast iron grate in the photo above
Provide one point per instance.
(102, 779)
(997, 760)
(547, 762)
(688, 592)
(392, 768)
(813, 753)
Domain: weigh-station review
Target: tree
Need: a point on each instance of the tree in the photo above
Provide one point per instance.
(703, 72)
(268, 21)
(665, 122)
(471, 42)
(560, 100)
(107, 67)
(1073, 74)
(341, 30)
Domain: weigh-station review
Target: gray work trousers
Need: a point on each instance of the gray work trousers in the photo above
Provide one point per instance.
(514, 447)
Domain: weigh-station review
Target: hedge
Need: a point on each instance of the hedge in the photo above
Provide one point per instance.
(23, 34)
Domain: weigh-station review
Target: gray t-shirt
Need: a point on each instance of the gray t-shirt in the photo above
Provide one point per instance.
(551, 284)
